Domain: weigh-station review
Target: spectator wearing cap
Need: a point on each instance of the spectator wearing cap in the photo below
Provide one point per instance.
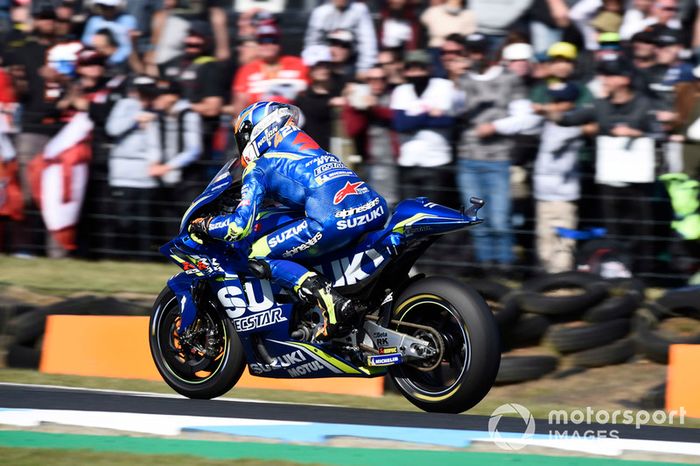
(341, 44)
(548, 19)
(624, 113)
(350, 15)
(517, 58)
(423, 114)
(318, 100)
(643, 49)
(561, 66)
(272, 76)
(443, 20)
(556, 178)
(109, 16)
(368, 120)
(133, 124)
(496, 100)
(669, 69)
(399, 26)
(595, 17)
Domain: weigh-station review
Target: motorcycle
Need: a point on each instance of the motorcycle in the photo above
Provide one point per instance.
(435, 337)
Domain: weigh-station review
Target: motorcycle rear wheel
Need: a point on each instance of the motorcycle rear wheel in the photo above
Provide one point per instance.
(187, 370)
(470, 338)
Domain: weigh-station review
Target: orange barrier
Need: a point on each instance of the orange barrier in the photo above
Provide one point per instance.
(117, 346)
(683, 379)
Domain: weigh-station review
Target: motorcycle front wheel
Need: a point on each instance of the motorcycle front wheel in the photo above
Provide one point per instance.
(465, 372)
(207, 363)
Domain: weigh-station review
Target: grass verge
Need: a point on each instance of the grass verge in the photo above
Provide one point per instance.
(45, 456)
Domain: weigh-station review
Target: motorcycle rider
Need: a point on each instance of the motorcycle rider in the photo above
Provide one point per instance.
(284, 164)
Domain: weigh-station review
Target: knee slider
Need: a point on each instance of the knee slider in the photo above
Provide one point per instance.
(260, 268)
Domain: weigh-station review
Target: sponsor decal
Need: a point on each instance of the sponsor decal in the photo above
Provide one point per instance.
(348, 270)
(281, 362)
(333, 175)
(322, 160)
(304, 246)
(384, 360)
(381, 338)
(231, 298)
(202, 264)
(350, 189)
(411, 230)
(220, 224)
(361, 220)
(244, 203)
(388, 350)
(259, 320)
(345, 213)
(328, 167)
(280, 238)
(304, 369)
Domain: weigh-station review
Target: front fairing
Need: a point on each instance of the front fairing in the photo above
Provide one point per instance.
(228, 180)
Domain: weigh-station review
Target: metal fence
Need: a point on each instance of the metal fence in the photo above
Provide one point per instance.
(108, 230)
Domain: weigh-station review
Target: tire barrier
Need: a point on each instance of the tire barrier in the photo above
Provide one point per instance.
(516, 369)
(25, 328)
(653, 342)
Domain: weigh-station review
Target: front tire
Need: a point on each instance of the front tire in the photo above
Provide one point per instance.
(189, 371)
(470, 338)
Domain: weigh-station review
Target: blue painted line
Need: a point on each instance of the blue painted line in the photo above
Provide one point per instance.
(320, 432)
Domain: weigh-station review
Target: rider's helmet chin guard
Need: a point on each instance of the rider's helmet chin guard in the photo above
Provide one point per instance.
(258, 124)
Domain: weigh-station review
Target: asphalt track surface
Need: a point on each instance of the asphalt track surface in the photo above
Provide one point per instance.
(12, 396)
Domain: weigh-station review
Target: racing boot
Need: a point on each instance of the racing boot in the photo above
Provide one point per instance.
(337, 309)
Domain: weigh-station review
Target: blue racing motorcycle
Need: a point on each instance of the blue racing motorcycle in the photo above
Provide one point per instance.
(435, 337)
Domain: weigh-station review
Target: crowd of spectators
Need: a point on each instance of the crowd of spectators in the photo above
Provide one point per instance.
(560, 113)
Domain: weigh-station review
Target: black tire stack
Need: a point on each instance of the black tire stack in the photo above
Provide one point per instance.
(586, 321)
(25, 331)
(653, 342)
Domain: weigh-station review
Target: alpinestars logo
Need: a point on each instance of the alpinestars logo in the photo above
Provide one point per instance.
(350, 189)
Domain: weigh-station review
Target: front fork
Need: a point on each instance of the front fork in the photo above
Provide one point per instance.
(189, 291)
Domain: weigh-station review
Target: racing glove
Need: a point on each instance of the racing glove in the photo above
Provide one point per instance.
(199, 229)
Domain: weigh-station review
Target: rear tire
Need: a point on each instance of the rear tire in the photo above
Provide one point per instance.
(470, 337)
(191, 373)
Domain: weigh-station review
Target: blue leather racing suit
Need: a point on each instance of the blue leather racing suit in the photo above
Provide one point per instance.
(297, 173)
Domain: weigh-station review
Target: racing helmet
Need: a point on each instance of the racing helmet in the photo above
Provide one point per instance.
(257, 125)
